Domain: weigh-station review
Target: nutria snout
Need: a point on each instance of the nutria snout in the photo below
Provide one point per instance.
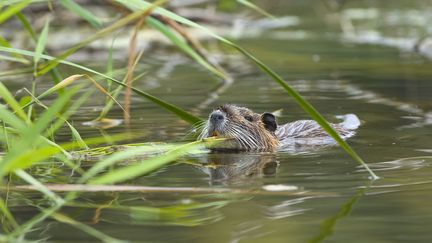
(246, 130)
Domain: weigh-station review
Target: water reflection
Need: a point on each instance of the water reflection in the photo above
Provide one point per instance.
(238, 168)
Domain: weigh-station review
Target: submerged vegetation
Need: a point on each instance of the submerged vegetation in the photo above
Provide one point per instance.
(29, 125)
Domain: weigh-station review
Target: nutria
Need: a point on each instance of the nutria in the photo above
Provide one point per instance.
(246, 130)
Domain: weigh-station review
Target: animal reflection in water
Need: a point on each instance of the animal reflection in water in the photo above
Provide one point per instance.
(238, 167)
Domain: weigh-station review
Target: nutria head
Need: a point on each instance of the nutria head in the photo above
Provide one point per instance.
(243, 129)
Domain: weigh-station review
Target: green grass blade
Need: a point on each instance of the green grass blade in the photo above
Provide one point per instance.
(26, 25)
(82, 12)
(13, 59)
(27, 226)
(56, 77)
(89, 230)
(12, 10)
(328, 226)
(186, 116)
(10, 100)
(40, 46)
(4, 42)
(54, 72)
(183, 46)
(110, 71)
(255, 7)
(77, 137)
(145, 167)
(138, 5)
(116, 92)
(10, 119)
(40, 187)
(7, 215)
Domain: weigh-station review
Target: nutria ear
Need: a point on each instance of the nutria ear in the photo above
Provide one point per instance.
(269, 121)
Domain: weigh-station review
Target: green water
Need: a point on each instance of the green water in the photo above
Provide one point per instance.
(326, 195)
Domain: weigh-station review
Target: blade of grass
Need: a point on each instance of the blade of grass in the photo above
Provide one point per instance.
(118, 24)
(26, 25)
(12, 10)
(116, 92)
(89, 230)
(39, 186)
(9, 118)
(328, 225)
(54, 72)
(184, 46)
(109, 67)
(13, 59)
(82, 12)
(27, 226)
(13, 104)
(40, 46)
(256, 8)
(7, 215)
(4, 42)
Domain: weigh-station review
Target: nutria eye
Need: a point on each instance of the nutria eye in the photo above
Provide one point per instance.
(249, 118)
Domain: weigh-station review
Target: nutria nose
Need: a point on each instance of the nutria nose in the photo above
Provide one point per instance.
(216, 116)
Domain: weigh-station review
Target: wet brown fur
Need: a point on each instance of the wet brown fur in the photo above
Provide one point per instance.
(263, 139)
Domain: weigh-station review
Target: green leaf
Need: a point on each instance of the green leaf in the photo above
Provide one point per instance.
(54, 72)
(26, 25)
(184, 46)
(12, 10)
(10, 119)
(82, 12)
(7, 217)
(40, 46)
(4, 42)
(10, 100)
(86, 228)
(40, 187)
(256, 8)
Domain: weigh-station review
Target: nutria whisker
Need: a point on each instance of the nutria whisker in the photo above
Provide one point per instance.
(243, 137)
(246, 136)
